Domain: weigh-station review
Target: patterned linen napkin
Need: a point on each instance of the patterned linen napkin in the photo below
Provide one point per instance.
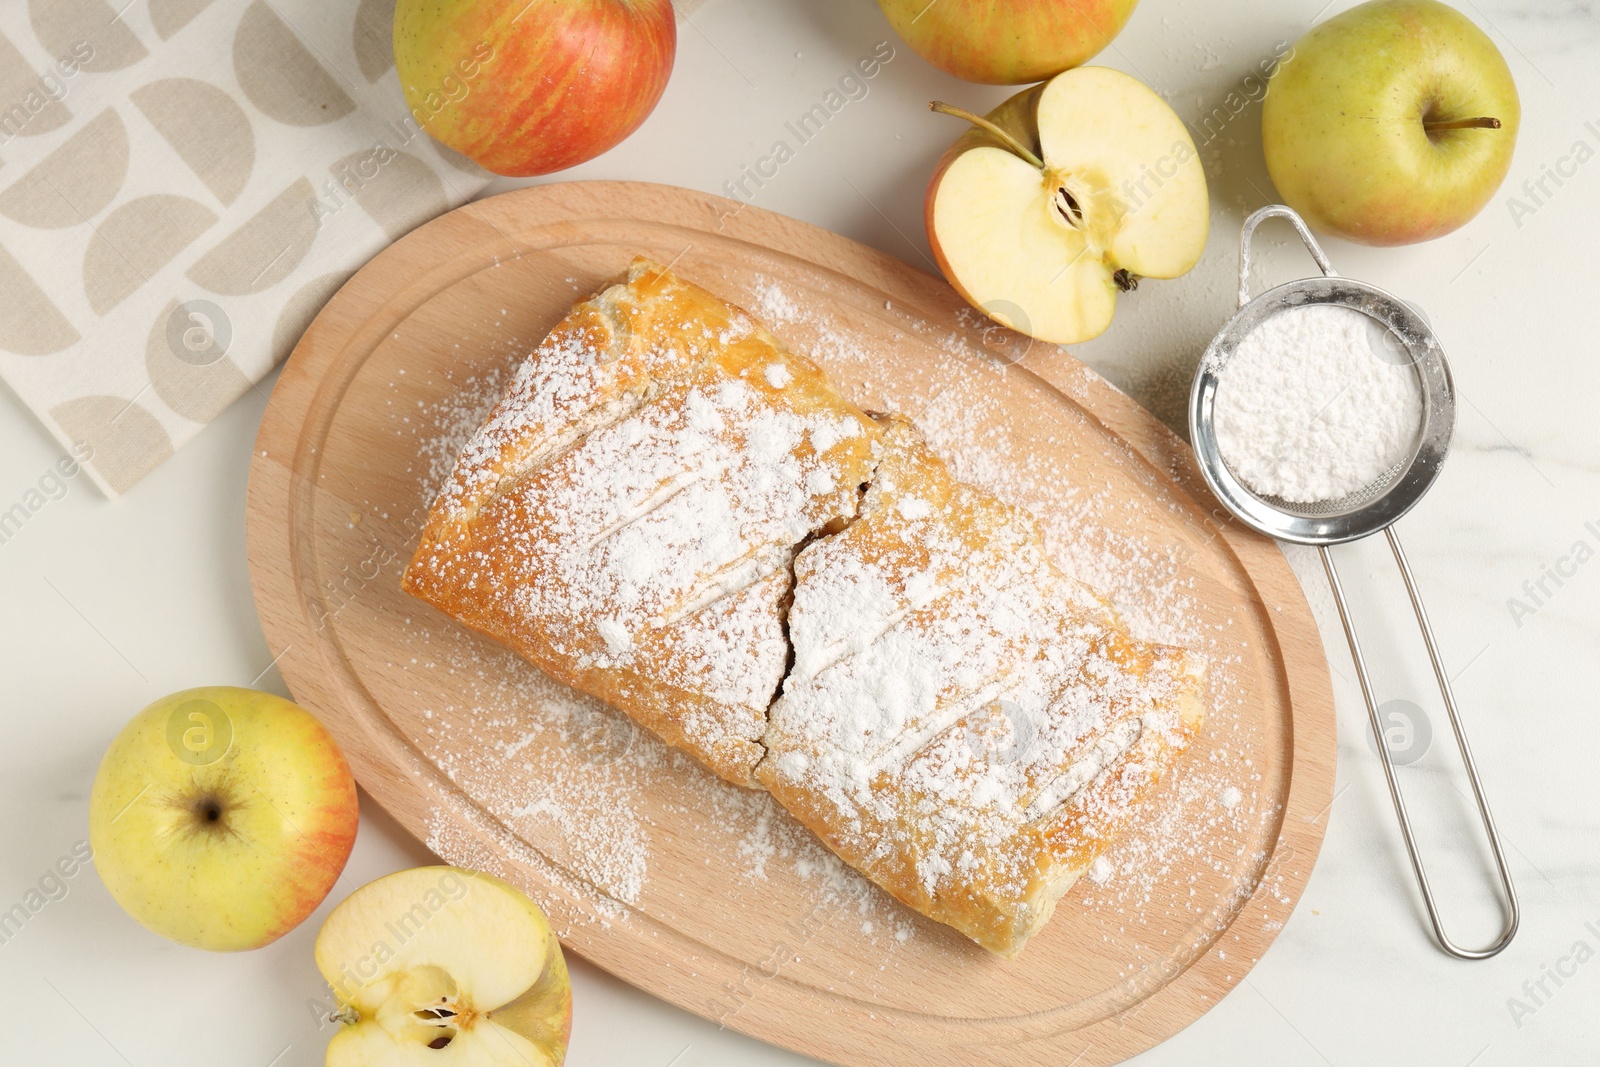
(183, 184)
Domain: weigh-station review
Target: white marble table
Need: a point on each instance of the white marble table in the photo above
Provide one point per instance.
(109, 605)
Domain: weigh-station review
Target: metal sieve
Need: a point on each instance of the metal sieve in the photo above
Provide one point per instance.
(1374, 507)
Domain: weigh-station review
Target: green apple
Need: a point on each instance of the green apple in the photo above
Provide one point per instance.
(1007, 42)
(220, 817)
(1065, 195)
(1393, 122)
(440, 965)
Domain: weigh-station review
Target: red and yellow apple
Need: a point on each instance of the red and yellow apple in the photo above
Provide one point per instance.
(444, 965)
(1064, 196)
(1393, 123)
(1007, 42)
(525, 87)
(220, 817)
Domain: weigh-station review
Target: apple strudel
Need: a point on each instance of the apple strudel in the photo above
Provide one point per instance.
(671, 511)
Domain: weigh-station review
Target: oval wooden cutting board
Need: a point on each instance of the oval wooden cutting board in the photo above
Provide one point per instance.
(698, 892)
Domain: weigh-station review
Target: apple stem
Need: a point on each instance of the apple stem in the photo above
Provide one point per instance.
(1482, 123)
(978, 120)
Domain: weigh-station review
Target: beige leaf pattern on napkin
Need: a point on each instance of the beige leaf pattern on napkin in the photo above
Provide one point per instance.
(135, 241)
(127, 439)
(373, 38)
(196, 382)
(30, 324)
(29, 110)
(62, 25)
(280, 76)
(402, 193)
(263, 251)
(170, 16)
(75, 182)
(206, 128)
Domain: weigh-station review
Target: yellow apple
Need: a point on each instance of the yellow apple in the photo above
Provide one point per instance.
(1007, 42)
(1394, 122)
(220, 817)
(440, 965)
(1063, 196)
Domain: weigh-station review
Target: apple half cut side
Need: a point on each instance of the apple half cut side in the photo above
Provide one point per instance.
(444, 967)
(1065, 195)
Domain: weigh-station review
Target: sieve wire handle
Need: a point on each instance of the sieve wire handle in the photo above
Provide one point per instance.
(1512, 911)
(1277, 211)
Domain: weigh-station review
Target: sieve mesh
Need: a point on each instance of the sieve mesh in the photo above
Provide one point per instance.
(1316, 509)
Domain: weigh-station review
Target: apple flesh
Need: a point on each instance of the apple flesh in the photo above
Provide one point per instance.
(524, 88)
(221, 817)
(1067, 194)
(1394, 122)
(440, 965)
(1007, 42)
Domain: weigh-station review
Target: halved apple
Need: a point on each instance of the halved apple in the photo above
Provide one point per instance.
(1063, 196)
(444, 967)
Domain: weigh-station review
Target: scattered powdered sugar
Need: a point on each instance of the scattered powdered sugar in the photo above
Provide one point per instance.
(1187, 847)
(493, 732)
(773, 304)
(640, 514)
(913, 508)
(1314, 404)
(613, 856)
(457, 416)
(769, 837)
